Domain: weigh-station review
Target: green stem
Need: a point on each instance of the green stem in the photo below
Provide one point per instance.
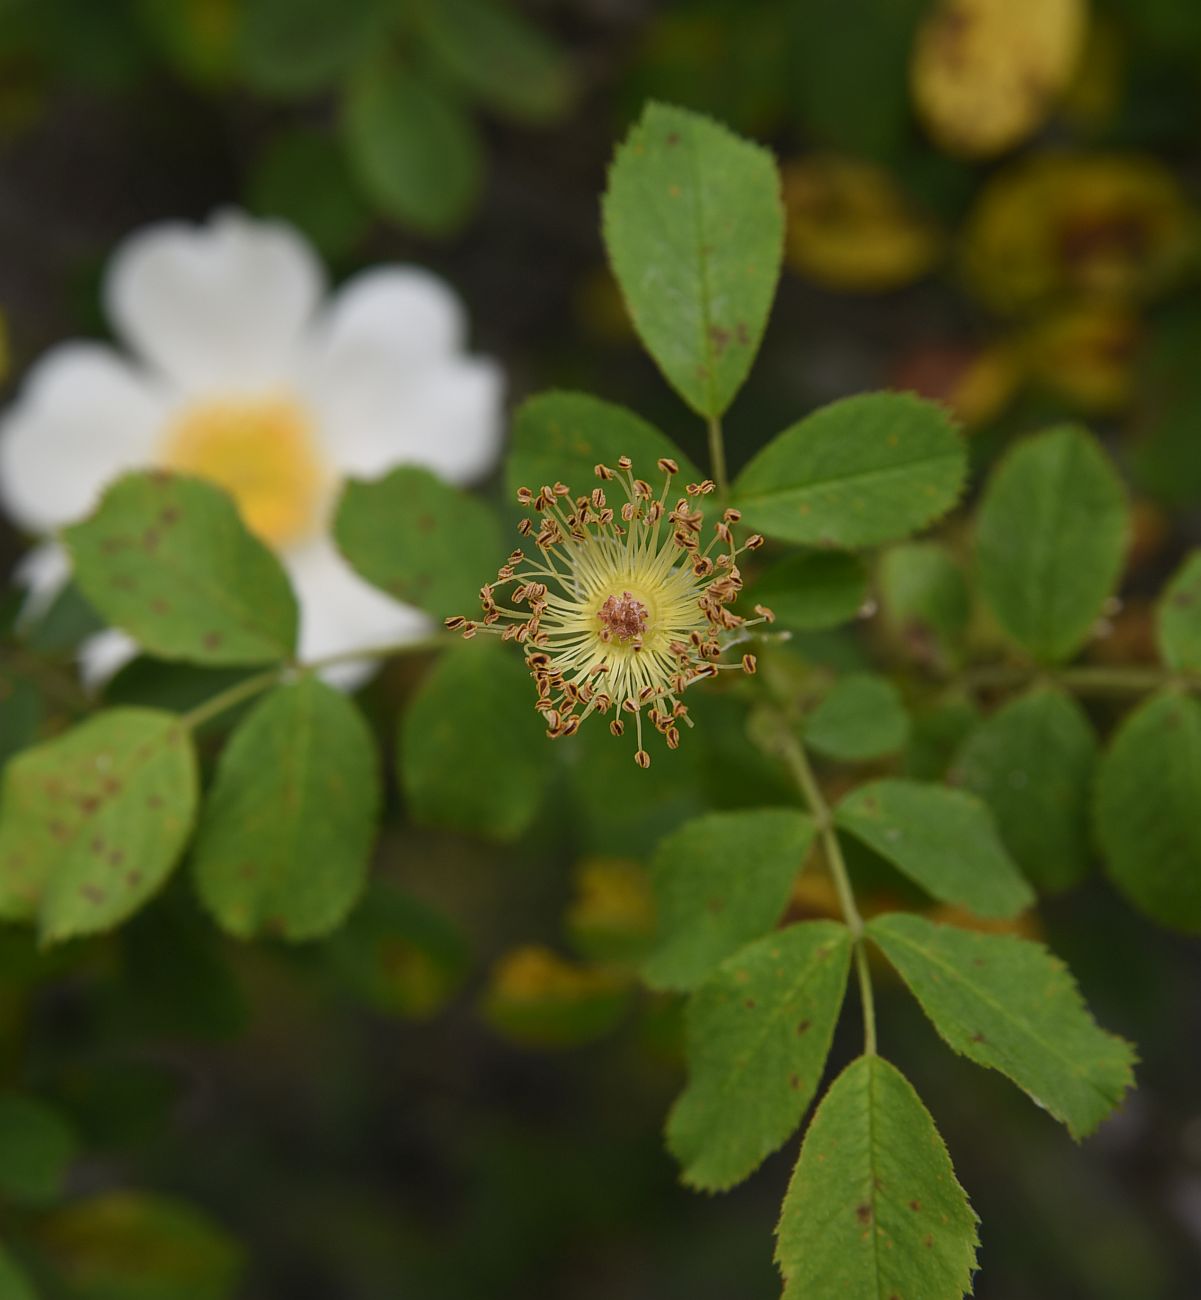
(1085, 680)
(243, 690)
(717, 456)
(798, 764)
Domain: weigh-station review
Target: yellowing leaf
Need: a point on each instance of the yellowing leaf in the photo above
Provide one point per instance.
(1060, 225)
(534, 996)
(851, 227)
(1085, 354)
(985, 73)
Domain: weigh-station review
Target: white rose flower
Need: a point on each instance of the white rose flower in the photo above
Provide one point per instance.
(241, 374)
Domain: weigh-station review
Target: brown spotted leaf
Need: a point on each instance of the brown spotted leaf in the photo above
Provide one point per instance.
(92, 822)
(874, 1211)
(286, 832)
(1010, 1005)
(168, 559)
(419, 539)
(758, 1030)
(694, 228)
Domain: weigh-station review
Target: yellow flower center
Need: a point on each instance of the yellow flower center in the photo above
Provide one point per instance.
(264, 453)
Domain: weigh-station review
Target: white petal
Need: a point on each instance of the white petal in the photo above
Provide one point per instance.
(43, 572)
(83, 416)
(101, 657)
(339, 613)
(448, 418)
(224, 305)
(398, 315)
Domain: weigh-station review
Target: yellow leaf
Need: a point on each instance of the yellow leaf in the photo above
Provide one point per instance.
(986, 73)
(1085, 353)
(1063, 226)
(851, 227)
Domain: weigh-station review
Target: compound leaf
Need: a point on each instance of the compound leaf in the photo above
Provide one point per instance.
(1032, 763)
(874, 1210)
(168, 559)
(1008, 1004)
(286, 832)
(864, 470)
(1050, 538)
(1147, 796)
(694, 226)
(943, 840)
(92, 822)
(758, 1032)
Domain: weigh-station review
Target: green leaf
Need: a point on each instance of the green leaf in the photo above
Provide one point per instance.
(36, 1149)
(474, 755)
(1147, 799)
(560, 437)
(758, 1033)
(419, 539)
(943, 840)
(168, 560)
(20, 714)
(135, 1246)
(812, 590)
(874, 1209)
(861, 717)
(1050, 539)
(286, 832)
(1178, 618)
(303, 177)
(1008, 1004)
(719, 881)
(925, 599)
(14, 1285)
(398, 955)
(67, 621)
(1032, 763)
(694, 227)
(413, 147)
(499, 57)
(860, 471)
(92, 822)
(295, 47)
(935, 736)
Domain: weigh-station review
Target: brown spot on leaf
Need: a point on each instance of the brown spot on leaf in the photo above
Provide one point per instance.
(928, 1241)
(426, 523)
(154, 802)
(59, 829)
(133, 879)
(915, 1206)
(88, 804)
(720, 338)
(93, 894)
(794, 1082)
(863, 1213)
(978, 1037)
(673, 139)
(803, 1027)
(116, 857)
(749, 1004)
(211, 640)
(150, 539)
(168, 515)
(159, 606)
